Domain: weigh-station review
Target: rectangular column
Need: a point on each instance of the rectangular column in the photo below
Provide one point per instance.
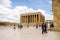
(39, 18)
(27, 18)
(20, 19)
(34, 18)
(30, 18)
(24, 20)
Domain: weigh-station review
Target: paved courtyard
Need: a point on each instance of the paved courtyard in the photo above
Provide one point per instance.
(31, 33)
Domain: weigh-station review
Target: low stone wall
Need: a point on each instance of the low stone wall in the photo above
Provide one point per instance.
(57, 29)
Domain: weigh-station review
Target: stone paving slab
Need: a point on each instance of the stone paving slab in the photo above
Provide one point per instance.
(31, 33)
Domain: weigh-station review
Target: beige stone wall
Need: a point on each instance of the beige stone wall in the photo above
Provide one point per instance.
(56, 11)
(4, 23)
(32, 19)
(7, 24)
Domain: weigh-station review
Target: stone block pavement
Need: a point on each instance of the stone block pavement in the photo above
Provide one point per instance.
(31, 33)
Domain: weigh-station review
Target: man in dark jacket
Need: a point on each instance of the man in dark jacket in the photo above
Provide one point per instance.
(43, 27)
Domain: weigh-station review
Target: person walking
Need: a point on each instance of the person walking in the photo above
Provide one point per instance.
(14, 27)
(49, 26)
(36, 26)
(43, 27)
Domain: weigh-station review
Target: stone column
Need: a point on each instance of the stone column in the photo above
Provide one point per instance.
(20, 19)
(39, 18)
(27, 18)
(24, 20)
(30, 18)
(34, 18)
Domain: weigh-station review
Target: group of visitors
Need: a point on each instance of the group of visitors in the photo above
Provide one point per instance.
(44, 28)
(19, 26)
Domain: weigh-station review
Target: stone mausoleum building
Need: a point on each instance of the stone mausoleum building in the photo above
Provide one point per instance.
(56, 13)
(32, 19)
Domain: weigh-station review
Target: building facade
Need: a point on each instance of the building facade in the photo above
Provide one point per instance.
(32, 19)
(8, 24)
(56, 13)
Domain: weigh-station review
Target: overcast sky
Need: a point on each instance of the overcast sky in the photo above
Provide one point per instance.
(10, 10)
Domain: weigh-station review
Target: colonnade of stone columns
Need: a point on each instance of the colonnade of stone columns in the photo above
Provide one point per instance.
(30, 18)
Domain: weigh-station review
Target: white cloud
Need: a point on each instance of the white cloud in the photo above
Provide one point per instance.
(4, 10)
(13, 15)
(6, 14)
(6, 3)
(47, 15)
(27, 10)
(50, 1)
(23, 9)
